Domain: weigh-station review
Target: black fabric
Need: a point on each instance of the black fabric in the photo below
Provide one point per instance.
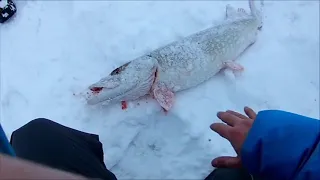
(229, 174)
(52, 144)
(7, 11)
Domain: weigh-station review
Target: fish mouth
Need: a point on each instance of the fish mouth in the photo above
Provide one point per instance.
(96, 89)
(96, 92)
(100, 94)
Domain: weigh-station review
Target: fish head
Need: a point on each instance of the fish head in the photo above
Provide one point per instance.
(127, 82)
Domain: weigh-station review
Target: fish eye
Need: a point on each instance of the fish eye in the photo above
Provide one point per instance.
(119, 69)
(116, 71)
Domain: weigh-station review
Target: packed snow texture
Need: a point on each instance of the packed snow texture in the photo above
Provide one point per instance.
(3, 3)
(51, 50)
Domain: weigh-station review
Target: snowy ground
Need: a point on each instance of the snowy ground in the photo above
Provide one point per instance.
(52, 49)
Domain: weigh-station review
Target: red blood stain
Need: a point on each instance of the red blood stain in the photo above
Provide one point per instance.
(124, 105)
(96, 90)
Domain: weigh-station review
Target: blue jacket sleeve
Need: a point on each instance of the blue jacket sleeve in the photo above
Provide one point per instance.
(5, 146)
(283, 145)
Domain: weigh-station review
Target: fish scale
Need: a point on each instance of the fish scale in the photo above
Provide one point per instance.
(182, 64)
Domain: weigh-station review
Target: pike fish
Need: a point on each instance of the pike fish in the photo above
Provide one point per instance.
(182, 64)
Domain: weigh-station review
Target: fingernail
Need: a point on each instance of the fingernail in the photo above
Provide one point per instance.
(211, 126)
(214, 162)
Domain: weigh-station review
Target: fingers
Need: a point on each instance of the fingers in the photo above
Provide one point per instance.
(237, 114)
(250, 113)
(235, 130)
(228, 118)
(226, 162)
(222, 129)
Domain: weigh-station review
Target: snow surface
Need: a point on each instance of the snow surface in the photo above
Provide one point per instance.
(52, 49)
(3, 3)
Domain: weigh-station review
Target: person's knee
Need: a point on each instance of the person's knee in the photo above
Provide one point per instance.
(39, 122)
(32, 126)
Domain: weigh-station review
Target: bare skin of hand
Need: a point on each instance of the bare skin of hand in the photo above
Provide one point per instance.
(235, 131)
(16, 168)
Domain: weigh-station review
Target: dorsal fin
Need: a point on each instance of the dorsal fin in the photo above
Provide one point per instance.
(255, 12)
(232, 13)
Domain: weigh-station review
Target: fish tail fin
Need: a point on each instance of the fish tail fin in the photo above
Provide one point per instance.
(257, 13)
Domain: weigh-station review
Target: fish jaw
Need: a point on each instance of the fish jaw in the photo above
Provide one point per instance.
(126, 83)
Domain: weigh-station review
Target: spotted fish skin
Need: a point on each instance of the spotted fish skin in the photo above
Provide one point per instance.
(182, 64)
(197, 58)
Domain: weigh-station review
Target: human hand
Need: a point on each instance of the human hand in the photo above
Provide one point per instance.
(16, 168)
(235, 131)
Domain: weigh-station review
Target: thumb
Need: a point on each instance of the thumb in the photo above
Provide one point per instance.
(226, 162)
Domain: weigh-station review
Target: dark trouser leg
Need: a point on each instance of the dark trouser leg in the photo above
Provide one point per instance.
(49, 143)
(229, 174)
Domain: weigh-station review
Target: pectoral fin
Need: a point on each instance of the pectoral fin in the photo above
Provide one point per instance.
(164, 96)
(233, 66)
